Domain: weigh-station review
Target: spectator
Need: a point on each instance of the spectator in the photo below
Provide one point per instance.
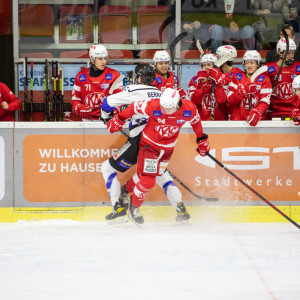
(272, 54)
(8, 103)
(232, 32)
(273, 14)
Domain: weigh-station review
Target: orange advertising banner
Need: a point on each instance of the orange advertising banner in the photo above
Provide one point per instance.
(66, 168)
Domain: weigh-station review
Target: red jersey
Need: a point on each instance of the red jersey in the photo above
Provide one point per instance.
(163, 83)
(200, 93)
(91, 91)
(6, 95)
(283, 100)
(162, 130)
(240, 102)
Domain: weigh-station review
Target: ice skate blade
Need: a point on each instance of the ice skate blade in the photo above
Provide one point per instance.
(119, 220)
(132, 220)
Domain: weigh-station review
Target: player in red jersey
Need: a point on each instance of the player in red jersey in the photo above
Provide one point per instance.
(8, 103)
(92, 85)
(166, 116)
(203, 91)
(283, 99)
(164, 78)
(242, 91)
(296, 111)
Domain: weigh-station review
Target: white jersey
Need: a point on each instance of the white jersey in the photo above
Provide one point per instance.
(132, 93)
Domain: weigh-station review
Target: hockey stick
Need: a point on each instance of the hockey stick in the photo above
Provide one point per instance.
(46, 90)
(180, 182)
(176, 40)
(284, 58)
(198, 45)
(31, 91)
(61, 92)
(259, 71)
(252, 190)
(190, 191)
(25, 88)
(222, 60)
(115, 84)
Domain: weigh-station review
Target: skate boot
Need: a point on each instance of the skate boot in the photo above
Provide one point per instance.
(124, 197)
(135, 215)
(118, 215)
(182, 214)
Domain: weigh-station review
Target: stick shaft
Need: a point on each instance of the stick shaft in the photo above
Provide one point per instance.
(253, 191)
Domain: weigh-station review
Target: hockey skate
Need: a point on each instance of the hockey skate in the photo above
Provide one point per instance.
(182, 214)
(118, 215)
(134, 215)
(124, 197)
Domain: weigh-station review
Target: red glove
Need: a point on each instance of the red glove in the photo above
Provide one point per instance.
(296, 116)
(247, 88)
(202, 76)
(182, 93)
(83, 111)
(203, 145)
(115, 124)
(254, 117)
(217, 76)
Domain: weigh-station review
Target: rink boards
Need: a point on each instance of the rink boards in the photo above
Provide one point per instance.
(51, 170)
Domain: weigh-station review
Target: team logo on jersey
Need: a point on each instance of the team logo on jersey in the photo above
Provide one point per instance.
(166, 130)
(105, 86)
(94, 99)
(108, 76)
(271, 69)
(293, 76)
(123, 163)
(187, 113)
(284, 90)
(297, 68)
(261, 78)
(239, 76)
(180, 121)
(82, 77)
(158, 80)
(161, 120)
(156, 113)
(195, 80)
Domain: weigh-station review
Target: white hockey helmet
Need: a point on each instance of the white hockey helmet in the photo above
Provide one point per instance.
(208, 58)
(98, 51)
(281, 45)
(252, 55)
(296, 82)
(161, 55)
(169, 98)
(226, 50)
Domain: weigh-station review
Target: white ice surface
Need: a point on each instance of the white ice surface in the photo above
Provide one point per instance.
(74, 260)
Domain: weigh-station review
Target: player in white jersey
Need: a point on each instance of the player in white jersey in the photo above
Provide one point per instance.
(126, 156)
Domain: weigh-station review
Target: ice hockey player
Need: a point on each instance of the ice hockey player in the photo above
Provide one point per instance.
(166, 116)
(126, 156)
(203, 91)
(242, 91)
(92, 85)
(164, 78)
(283, 100)
(8, 103)
(296, 111)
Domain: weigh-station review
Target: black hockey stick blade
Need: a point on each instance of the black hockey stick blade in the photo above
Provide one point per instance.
(252, 190)
(175, 41)
(190, 191)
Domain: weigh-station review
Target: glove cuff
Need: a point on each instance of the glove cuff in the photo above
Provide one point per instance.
(204, 136)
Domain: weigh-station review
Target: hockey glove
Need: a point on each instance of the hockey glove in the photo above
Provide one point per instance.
(115, 124)
(296, 116)
(105, 116)
(247, 88)
(217, 76)
(182, 93)
(83, 111)
(203, 145)
(202, 76)
(254, 117)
